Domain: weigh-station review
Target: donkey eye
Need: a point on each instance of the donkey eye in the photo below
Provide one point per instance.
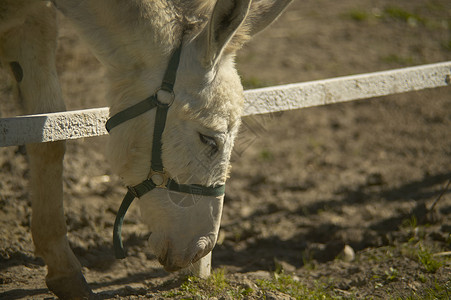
(209, 141)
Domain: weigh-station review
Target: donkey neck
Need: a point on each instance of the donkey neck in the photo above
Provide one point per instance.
(128, 38)
(131, 84)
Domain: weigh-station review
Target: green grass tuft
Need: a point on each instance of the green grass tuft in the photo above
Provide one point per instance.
(215, 286)
(391, 274)
(426, 258)
(289, 285)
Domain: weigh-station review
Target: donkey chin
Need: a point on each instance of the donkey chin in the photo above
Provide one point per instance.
(184, 227)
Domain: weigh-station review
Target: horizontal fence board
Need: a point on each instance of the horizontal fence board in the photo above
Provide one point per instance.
(53, 126)
(347, 88)
(91, 122)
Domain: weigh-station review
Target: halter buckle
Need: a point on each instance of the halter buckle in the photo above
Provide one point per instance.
(133, 191)
(159, 178)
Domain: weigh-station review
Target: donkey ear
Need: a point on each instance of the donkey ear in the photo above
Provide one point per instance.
(226, 18)
(262, 13)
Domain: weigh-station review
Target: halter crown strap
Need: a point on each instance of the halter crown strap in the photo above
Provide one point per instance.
(171, 71)
(156, 162)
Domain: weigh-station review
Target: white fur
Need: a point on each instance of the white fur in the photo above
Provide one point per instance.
(134, 40)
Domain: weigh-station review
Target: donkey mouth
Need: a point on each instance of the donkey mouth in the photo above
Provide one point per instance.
(167, 262)
(171, 265)
(168, 265)
(172, 268)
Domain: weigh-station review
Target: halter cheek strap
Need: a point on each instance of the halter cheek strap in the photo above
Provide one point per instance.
(158, 177)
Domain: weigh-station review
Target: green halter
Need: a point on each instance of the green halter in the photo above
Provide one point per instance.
(158, 177)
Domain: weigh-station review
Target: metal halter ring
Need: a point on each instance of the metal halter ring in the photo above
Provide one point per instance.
(172, 94)
(161, 178)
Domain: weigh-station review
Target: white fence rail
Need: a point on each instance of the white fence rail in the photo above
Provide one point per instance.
(90, 122)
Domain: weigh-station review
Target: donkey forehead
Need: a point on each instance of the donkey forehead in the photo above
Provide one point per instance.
(213, 97)
(214, 114)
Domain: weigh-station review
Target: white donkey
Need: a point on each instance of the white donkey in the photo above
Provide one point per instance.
(172, 149)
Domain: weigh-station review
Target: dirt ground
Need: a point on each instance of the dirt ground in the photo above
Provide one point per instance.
(308, 187)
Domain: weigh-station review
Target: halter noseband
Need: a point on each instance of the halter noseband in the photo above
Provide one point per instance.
(158, 177)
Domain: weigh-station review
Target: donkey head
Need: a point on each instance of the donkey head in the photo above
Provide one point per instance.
(202, 123)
